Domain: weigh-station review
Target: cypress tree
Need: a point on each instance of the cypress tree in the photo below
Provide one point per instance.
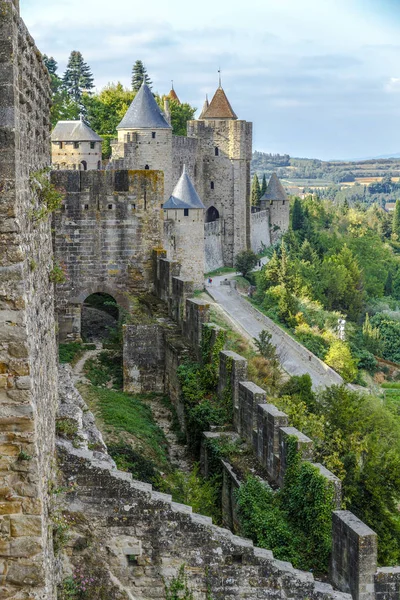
(297, 216)
(396, 219)
(78, 77)
(139, 73)
(255, 191)
(263, 186)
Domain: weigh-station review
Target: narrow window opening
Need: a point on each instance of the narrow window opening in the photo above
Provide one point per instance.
(92, 145)
(132, 560)
(185, 212)
(212, 185)
(153, 135)
(147, 167)
(162, 205)
(216, 151)
(134, 206)
(110, 207)
(283, 202)
(86, 206)
(76, 145)
(60, 144)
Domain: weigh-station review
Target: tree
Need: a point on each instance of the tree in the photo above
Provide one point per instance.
(396, 219)
(339, 358)
(139, 73)
(265, 346)
(263, 186)
(245, 261)
(297, 215)
(255, 191)
(50, 63)
(78, 77)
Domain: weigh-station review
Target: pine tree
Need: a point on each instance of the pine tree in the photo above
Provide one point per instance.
(139, 73)
(263, 186)
(396, 219)
(51, 64)
(255, 191)
(297, 216)
(78, 77)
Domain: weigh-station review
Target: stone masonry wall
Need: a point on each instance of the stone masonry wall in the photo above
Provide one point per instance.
(104, 237)
(28, 354)
(144, 358)
(213, 239)
(260, 234)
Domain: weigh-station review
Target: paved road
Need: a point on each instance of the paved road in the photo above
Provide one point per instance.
(294, 358)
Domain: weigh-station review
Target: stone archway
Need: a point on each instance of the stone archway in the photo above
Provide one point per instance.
(99, 317)
(212, 215)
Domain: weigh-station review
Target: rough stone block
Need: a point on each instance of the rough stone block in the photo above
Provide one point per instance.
(232, 370)
(269, 421)
(303, 443)
(250, 396)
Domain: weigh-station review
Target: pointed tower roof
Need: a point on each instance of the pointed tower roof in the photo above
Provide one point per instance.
(144, 112)
(275, 190)
(205, 108)
(173, 95)
(74, 131)
(219, 107)
(184, 194)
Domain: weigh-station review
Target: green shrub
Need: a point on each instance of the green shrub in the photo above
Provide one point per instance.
(70, 352)
(127, 459)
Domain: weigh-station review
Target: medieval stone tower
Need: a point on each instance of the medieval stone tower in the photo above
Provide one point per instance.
(145, 139)
(223, 183)
(184, 212)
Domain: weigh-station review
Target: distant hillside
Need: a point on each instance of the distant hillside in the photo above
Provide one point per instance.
(372, 180)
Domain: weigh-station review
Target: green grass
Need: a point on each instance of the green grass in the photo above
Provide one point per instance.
(73, 351)
(106, 368)
(220, 271)
(391, 386)
(120, 412)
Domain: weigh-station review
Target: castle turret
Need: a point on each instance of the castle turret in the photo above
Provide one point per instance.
(276, 201)
(173, 95)
(205, 108)
(184, 229)
(225, 150)
(75, 146)
(145, 138)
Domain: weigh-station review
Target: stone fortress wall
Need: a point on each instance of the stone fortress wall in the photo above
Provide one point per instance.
(104, 237)
(28, 352)
(82, 158)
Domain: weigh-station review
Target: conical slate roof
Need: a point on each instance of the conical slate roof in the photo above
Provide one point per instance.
(220, 107)
(205, 108)
(184, 194)
(275, 190)
(73, 131)
(144, 112)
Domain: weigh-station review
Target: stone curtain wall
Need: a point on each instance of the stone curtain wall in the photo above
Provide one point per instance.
(213, 239)
(28, 354)
(104, 237)
(260, 234)
(387, 583)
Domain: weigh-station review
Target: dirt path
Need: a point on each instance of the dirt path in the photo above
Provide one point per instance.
(77, 371)
(177, 452)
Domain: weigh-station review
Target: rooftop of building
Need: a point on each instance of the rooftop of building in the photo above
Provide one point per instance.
(144, 112)
(275, 190)
(173, 95)
(184, 194)
(74, 131)
(219, 107)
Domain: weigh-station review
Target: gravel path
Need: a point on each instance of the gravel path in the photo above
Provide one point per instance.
(294, 358)
(77, 371)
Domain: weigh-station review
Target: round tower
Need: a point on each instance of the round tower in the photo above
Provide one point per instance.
(184, 230)
(145, 138)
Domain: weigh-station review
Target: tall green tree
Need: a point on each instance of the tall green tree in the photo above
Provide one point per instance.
(63, 107)
(396, 219)
(50, 63)
(263, 185)
(139, 73)
(78, 78)
(255, 191)
(297, 215)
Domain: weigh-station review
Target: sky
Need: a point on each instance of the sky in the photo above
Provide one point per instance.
(318, 78)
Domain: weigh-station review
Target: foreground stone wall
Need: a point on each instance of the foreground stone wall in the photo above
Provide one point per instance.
(260, 230)
(28, 355)
(104, 237)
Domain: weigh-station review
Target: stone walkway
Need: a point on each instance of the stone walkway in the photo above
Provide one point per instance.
(294, 358)
(77, 371)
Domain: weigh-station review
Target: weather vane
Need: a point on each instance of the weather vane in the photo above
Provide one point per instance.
(219, 74)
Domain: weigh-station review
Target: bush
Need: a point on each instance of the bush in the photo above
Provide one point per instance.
(389, 332)
(339, 358)
(245, 262)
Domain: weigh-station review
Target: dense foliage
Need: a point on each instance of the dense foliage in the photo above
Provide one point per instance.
(357, 437)
(295, 522)
(334, 263)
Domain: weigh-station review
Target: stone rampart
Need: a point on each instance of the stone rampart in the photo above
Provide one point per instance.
(28, 354)
(144, 358)
(260, 232)
(105, 235)
(213, 239)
